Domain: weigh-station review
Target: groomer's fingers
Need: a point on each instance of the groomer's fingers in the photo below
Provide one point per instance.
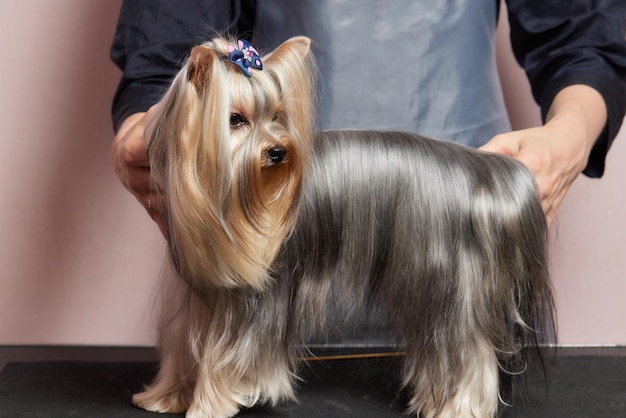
(544, 151)
(130, 162)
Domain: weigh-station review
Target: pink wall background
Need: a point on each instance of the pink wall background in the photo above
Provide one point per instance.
(78, 256)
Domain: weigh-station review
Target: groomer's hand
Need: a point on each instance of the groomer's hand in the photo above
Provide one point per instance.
(130, 161)
(557, 152)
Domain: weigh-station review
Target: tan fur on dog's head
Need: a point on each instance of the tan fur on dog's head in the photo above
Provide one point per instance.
(229, 152)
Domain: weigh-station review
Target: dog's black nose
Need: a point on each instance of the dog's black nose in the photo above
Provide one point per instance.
(276, 154)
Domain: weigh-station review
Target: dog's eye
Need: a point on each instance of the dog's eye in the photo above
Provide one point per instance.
(236, 120)
(275, 117)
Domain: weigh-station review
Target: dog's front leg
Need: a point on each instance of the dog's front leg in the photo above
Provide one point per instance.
(172, 389)
(227, 381)
(169, 393)
(180, 317)
(216, 395)
(254, 369)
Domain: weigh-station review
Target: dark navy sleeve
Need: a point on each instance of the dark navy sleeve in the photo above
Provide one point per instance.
(565, 42)
(151, 40)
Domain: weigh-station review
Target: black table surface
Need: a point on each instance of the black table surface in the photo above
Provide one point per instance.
(99, 382)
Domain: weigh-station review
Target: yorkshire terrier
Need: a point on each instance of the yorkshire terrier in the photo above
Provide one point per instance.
(276, 231)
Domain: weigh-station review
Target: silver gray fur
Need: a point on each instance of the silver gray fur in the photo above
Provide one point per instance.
(445, 243)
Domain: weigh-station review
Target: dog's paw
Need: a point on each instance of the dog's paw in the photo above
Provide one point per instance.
(224, 406)
(163, 403)
(216, 411)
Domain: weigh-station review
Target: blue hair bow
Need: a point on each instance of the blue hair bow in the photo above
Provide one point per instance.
(245, 57)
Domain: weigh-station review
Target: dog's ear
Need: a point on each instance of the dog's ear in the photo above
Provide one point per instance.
(297, 47)
(293, 69)
(200, 62)
(292, 66)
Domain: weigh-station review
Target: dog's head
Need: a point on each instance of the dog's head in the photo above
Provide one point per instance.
(228, 146)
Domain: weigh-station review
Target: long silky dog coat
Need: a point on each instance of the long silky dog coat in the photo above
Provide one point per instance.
(269, 223)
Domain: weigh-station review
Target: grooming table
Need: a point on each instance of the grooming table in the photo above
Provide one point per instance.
(99, 382)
